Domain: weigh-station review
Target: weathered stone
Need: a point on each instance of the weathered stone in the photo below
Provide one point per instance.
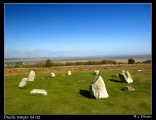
(125, 76)
(31, 76)
(98, 88)
(96, 72)
(115, 75)
(69, 73)
(52, 74)
(23, 82)
(39, 91)
(128, 88)
(81, 80)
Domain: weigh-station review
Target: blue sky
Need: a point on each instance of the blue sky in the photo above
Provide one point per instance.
(77, 30)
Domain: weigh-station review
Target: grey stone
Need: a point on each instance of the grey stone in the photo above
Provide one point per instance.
(23, 82)
(115, 75)
(96, 72)
(125, 77)
(128, 88)
(39, 91)
(69, 73)
(52, 74)
(98, 88)
(31, 76)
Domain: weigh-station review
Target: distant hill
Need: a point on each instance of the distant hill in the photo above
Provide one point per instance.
(79, 57)
(139, 58)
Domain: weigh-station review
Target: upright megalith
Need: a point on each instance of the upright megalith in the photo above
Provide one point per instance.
(23, 82)
(98, 88)
(96, 72)
(31, 76)
(69, 73)
(52, 74)
(125, 77)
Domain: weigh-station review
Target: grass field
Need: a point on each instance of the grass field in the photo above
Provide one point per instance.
(70, 95)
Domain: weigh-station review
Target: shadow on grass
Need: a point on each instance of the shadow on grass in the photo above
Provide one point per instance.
(85, 93)
(122, 89)
(114, 80)
(92, 74)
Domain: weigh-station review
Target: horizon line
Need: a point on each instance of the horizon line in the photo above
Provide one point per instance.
(141, 55)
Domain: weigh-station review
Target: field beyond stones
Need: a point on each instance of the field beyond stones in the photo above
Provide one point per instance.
(70, 94)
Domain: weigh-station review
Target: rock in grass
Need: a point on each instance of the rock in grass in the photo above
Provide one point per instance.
(52, 74)
(128, 88)
(31, 76)
(23, 82)
(98, 88)
(39, 91)
(115, 75)
(69, 73)
(96, 72)
(125, 76)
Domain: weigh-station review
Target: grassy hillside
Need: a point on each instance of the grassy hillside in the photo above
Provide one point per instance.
(70, 94)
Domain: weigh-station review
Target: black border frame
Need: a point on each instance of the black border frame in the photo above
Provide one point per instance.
(77, 115)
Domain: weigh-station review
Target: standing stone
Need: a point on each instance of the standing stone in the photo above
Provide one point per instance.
(31, 76)
(23, 82)
(125, 76)
(69, 73)
(96, 72)
(98, 88)
(52, 74)
(122, 76)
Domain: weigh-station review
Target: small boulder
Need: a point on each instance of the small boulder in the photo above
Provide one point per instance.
(69, 73)
(125, 76)
(39, 91)
(96, 72)
(115, 75)
(23, 82)
(128, 88)
(52, 74)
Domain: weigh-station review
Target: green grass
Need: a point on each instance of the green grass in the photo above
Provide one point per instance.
(68, 96)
